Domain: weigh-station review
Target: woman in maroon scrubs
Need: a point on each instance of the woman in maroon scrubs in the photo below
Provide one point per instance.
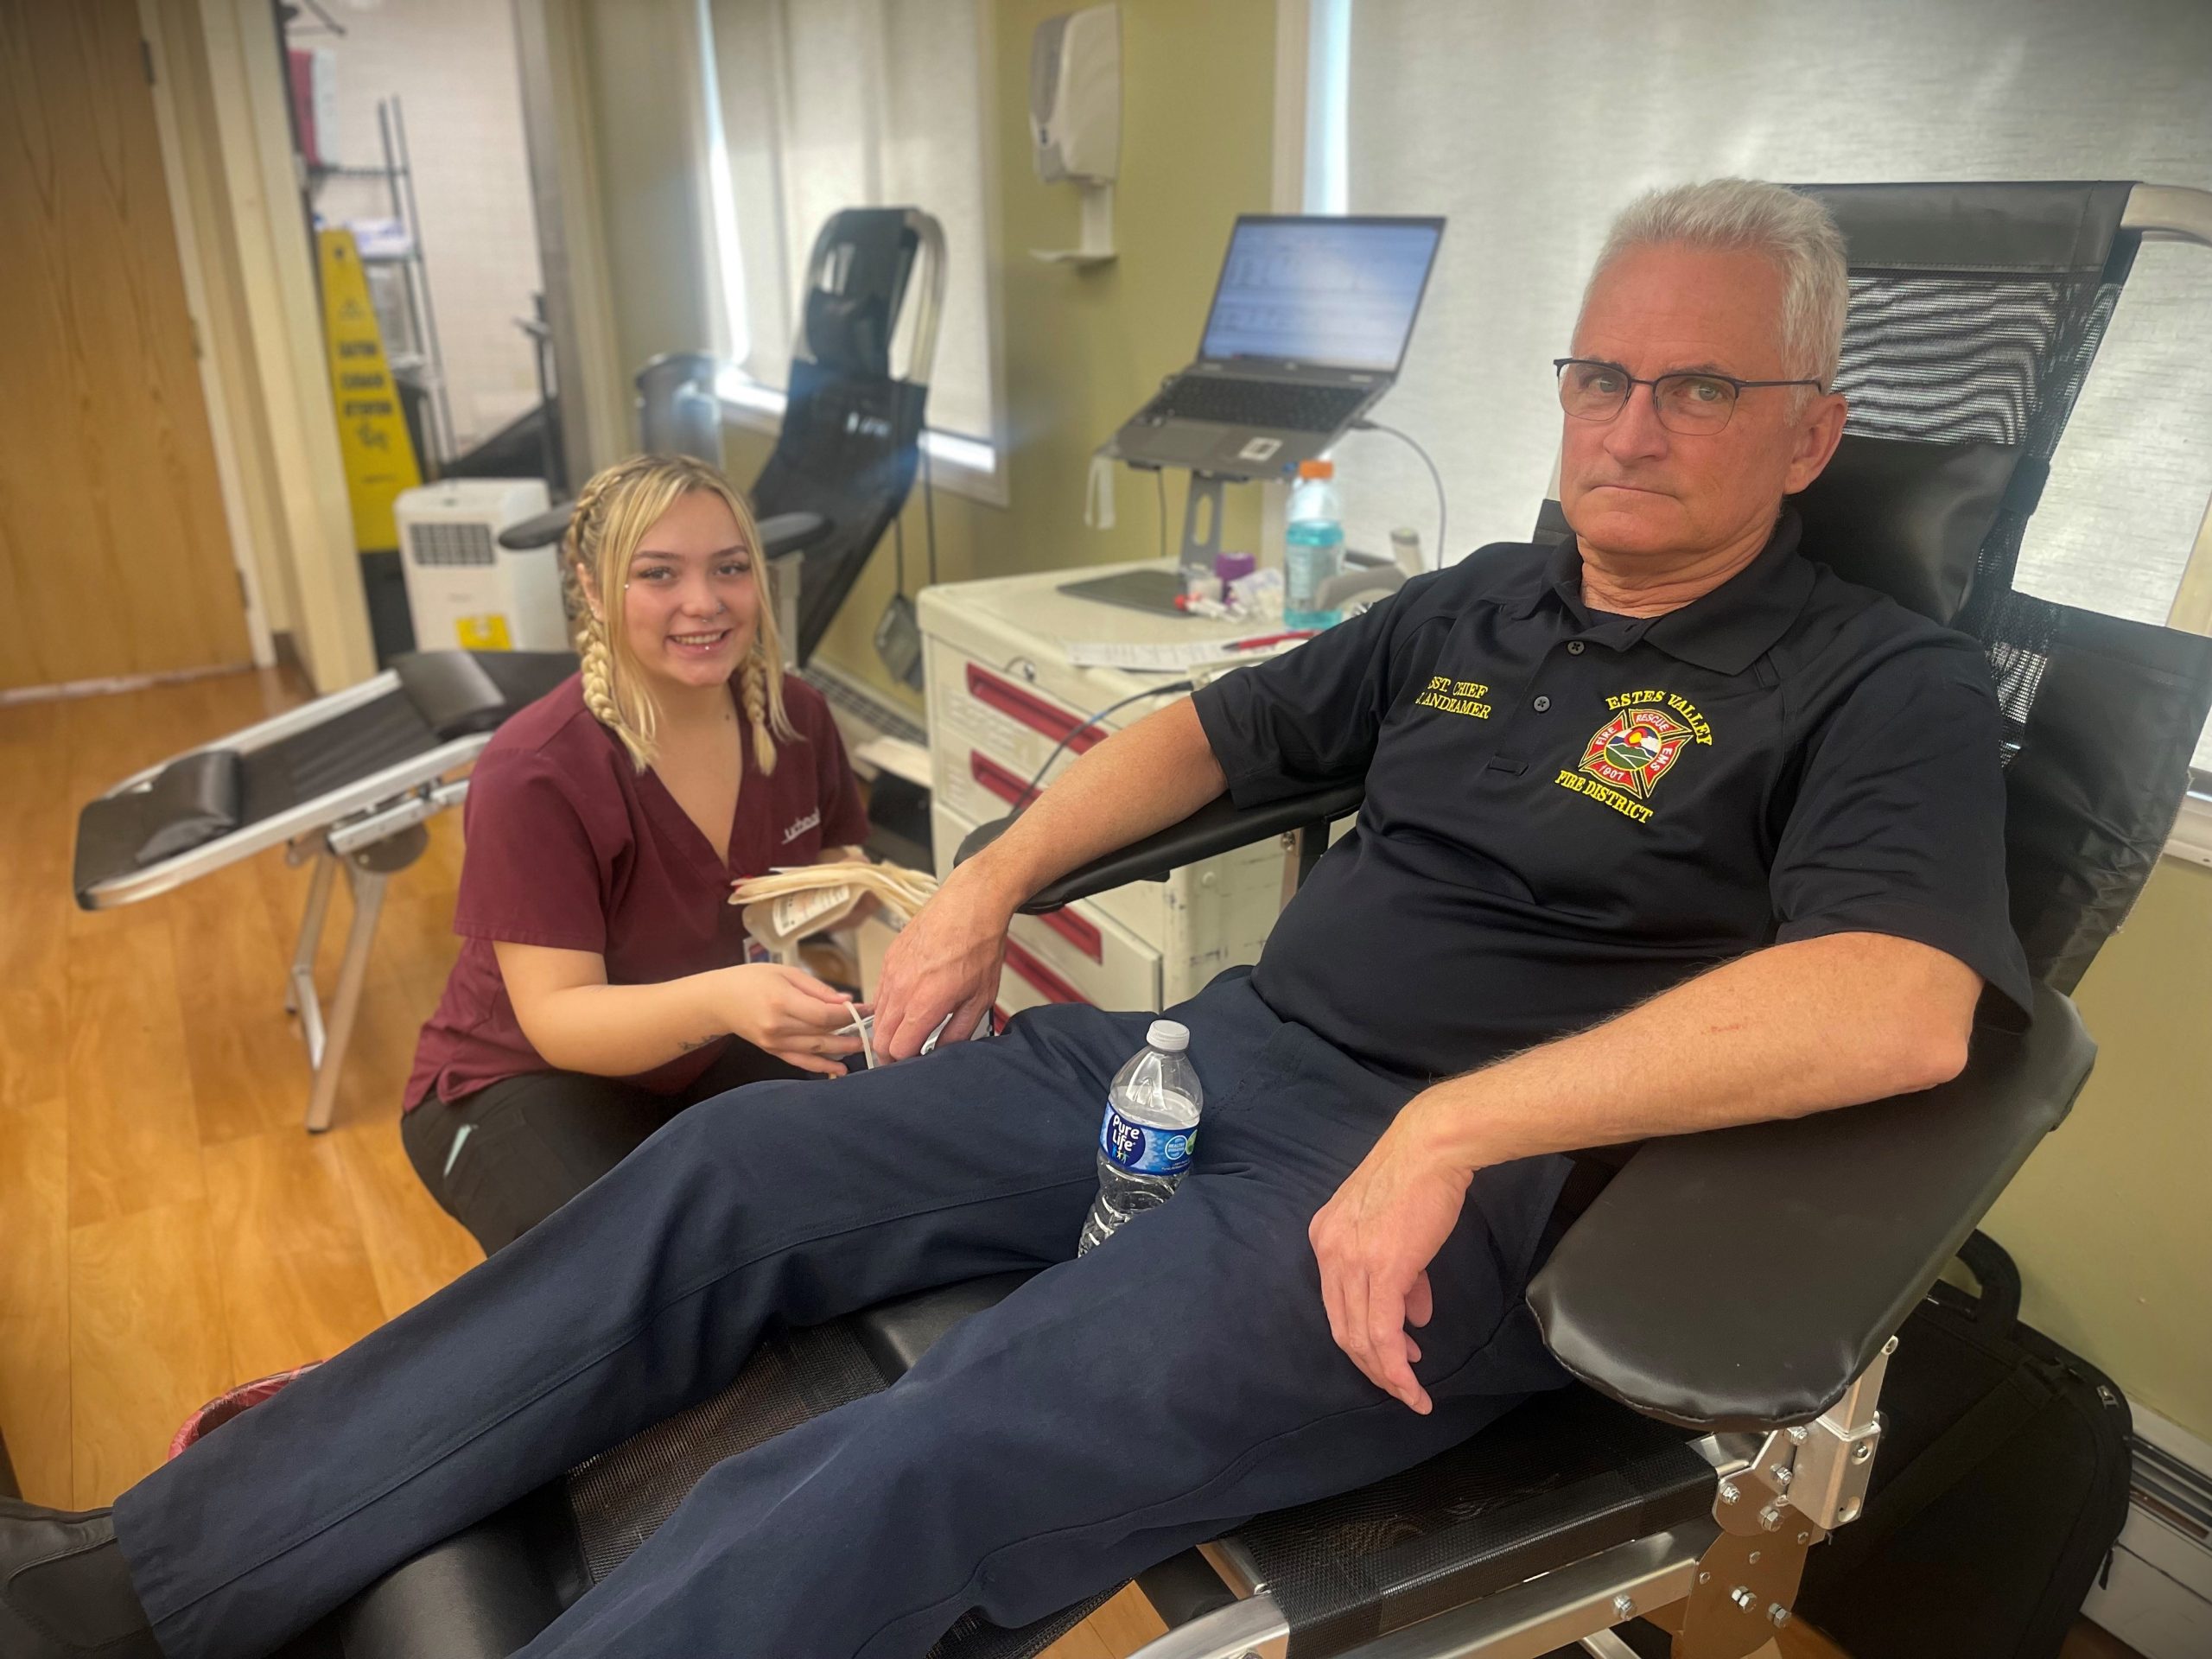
(602, 985)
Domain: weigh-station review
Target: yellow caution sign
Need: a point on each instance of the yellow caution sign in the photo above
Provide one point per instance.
(485, 632)
(372, 430)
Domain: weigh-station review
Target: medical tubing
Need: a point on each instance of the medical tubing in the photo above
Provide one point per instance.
(1174, 688)
(1434, 477)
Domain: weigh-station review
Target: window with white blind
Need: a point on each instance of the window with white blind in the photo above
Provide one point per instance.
(1529, 125)
(816, 105)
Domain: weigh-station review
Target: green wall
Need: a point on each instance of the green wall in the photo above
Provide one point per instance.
(2108, 1220)
(1081, 348)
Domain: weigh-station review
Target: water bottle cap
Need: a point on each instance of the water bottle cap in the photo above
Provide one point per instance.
(1317, 468)
(1169, 1035)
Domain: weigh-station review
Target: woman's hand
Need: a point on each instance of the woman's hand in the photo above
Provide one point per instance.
(944, 961)
(785, 1011)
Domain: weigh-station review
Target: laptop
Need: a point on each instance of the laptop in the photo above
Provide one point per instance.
(1307, 330)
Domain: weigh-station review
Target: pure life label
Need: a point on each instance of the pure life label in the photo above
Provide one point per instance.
(1145, 1151)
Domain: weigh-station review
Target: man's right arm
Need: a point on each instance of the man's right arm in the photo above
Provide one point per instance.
(946, 961)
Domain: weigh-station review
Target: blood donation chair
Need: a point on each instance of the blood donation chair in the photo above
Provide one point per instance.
(1727, 1305)
(345, 782)
(850, 443)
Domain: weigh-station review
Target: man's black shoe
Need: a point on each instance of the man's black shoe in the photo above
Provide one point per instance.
(64, 1592)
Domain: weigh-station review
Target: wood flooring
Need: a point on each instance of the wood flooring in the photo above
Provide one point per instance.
(170, 1228)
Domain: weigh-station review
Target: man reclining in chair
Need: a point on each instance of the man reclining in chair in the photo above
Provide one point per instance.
(1665, 829)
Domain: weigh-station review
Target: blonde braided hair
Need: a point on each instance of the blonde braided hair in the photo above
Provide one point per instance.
(613, 514)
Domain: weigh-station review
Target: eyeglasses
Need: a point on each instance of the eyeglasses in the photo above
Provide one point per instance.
(1695, 403)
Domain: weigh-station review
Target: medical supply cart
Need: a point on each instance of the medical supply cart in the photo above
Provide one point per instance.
(1002, 692)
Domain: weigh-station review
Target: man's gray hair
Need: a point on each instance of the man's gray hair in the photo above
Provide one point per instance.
(1795, 232)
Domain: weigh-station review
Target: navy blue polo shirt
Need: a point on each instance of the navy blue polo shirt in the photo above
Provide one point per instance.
(1568, 811)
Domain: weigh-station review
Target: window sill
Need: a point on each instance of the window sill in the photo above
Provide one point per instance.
(2192, 832)
(962, 465)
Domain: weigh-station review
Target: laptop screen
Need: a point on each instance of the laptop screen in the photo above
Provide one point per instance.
(1336, 291)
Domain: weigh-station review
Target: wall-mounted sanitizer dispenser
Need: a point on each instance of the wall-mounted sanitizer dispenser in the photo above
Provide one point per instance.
(1075, 118)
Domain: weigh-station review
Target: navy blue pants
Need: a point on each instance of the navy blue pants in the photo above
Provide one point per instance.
(1112, 1411)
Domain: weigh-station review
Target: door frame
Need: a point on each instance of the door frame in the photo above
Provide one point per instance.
(234, 190)
(248, 558)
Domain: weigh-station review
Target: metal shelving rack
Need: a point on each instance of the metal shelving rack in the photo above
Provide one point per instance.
(419, 356)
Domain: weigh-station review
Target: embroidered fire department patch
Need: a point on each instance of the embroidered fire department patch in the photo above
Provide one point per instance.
(1633, 750)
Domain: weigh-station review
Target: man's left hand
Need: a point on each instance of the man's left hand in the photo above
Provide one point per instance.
(1374, 1241)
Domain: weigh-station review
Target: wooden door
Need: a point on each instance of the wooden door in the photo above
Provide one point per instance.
(114, 555)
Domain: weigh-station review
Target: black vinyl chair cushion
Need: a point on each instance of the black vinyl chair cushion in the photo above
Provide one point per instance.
(452, 692)
(1741, 1278)
(1906, 519)
(895, 1334)
(1561, 1477)
(2102, 769)
(2060, 226)
(196, 798)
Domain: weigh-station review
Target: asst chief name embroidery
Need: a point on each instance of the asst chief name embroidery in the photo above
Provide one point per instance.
(1627, 756)
(800, 827)
(1455, 696)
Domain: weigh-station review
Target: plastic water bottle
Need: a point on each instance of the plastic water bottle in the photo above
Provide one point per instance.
(1150, 1131)
(1314, 546)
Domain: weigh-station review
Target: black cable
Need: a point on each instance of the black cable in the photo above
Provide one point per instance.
(1175, 688)
(1434, 477)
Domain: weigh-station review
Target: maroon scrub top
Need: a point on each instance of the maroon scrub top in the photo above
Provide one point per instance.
(569, 845)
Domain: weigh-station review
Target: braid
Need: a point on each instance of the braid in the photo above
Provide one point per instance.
(580, 546)
(756, 708)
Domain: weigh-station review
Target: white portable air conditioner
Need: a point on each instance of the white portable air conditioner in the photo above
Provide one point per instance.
(465, 589)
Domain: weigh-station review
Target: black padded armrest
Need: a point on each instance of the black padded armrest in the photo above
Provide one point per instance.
(524, 677)
(539, 530)
(783, 533)
(1219, 826)
(1741, 1279)
(791, 533)
(461, 693)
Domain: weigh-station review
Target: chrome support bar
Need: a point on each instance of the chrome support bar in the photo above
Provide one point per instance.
(368, 886)
(1834, 1454)
(418, 806)
(2169, 212)
(1554, 1608)
(300, 997)
(1252, 1629)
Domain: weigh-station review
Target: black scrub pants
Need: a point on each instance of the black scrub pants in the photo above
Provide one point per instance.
(1110, 1411)
(501, 1160)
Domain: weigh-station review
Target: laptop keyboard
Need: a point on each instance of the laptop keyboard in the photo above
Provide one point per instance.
(1256, 403)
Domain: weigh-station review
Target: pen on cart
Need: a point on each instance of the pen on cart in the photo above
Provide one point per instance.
(1263, 641)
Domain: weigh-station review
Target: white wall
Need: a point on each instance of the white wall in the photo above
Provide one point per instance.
(452, 65)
